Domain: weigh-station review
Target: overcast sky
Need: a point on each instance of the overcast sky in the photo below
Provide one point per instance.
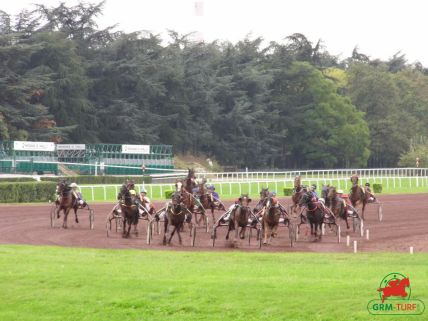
(378, 28)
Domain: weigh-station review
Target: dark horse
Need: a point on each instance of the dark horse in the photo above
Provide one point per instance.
(239, 217)
(129, 210)
(314, 214)
(336, 204)
(271, 216)
(297, 194)
(358, 195)
(66, 201)
(175, 215)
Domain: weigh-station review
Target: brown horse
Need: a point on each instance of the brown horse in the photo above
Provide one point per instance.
(336, 204)
(297, 194)
(175, 215)
(239, 218)
(271, 216)
(358, 195)
(129, 210)
(66, 201)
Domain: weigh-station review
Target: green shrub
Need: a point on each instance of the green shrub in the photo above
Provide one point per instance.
(377, 188)
(288, 191)
(16, 179)
(22, 192)
(90, 179)
(168, 194)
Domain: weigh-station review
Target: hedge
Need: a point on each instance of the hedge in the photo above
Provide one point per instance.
(91, 179)
(27, 192)
(377, 188)
(288, 191)
(168, 194)
(16, 179)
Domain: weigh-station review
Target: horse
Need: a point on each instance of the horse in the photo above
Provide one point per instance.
(358, 195)
(314, 214)
(336, 204)
(207, 200)
(175, 215)
(270, 220)
(129, 210)
(66, 201)
(239, 218)
(297, 194)
(264, 194)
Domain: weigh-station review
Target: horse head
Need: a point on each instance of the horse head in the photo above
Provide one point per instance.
(244, 200)
(264, 193)
(297, 182)
(176, 201)
(305, 199)
(178, 186)
(354, 179)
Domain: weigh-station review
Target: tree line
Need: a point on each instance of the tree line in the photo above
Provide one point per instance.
(288, 104)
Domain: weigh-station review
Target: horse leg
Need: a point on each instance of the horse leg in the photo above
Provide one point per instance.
(135, 227)
(75, 215)
(179, 237)
(265, 234)
(128, 233)
(172, 233)
(124, 226)
(242, 234)
(274, 229)
(64, 224)
(362, 210)
(166, 225)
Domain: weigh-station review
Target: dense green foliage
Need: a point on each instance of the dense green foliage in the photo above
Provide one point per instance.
(26, 192)
(54, 283)
(250, 104)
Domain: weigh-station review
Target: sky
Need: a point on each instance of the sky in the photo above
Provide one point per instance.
(379, 28)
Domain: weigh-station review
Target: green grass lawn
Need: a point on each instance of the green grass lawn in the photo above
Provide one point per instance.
(52, 283)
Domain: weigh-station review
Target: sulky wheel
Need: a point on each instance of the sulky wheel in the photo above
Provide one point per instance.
(193, 235)
(260, 238)
(355, 223)
(149, 232)
(297, 232)
(91, 219)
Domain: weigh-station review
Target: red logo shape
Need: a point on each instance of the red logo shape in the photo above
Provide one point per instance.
(395, 287)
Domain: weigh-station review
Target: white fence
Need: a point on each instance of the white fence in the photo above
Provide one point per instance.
(317, 174)
(235, 188)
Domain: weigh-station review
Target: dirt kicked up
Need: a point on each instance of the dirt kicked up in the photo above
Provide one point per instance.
(404, 224)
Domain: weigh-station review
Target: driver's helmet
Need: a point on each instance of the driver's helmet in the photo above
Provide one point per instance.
(339, 191)
(73, 185)
(367, 184)
(313, 187)
(133, 192)
(273, 194)
(143, 190)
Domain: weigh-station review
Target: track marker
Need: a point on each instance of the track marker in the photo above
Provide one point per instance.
(411, 250)
(355, 246)
(367, 234)
(348, 240)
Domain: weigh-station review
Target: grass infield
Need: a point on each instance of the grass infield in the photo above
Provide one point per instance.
(53, 283)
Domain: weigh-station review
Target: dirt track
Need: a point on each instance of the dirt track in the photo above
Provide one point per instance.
(405, 223)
